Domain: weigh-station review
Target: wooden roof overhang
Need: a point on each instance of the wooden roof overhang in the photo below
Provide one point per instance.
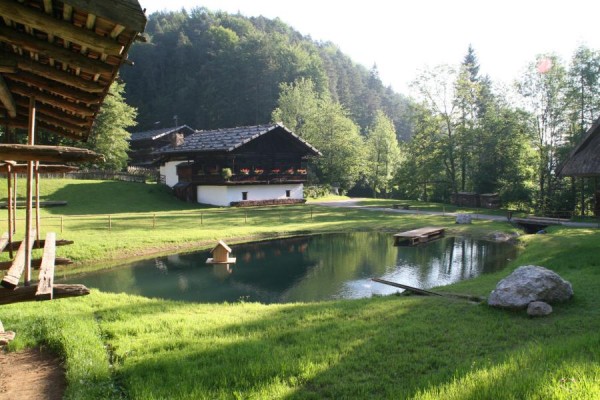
(65, 54)
(584, 159)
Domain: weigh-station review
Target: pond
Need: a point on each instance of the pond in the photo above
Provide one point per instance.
(308, 268)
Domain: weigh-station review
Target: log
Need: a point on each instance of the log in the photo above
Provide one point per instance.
(27, 293)
(46, 276)
(41, 243)
(24, 152)
(30, 17)
(406, 287)
(4, 265)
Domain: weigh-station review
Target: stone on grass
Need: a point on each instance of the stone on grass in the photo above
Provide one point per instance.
(1, 327)
(530, 283)
(538, 309)
(6, 337)
(463, 218)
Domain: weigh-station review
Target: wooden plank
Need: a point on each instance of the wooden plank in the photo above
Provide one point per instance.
(27, 293)
(24, 152)
(4, 241)
(8, 66)
(46, 276)
(36, 263)
(12, 277)
(406, 287)
(420, 232)
(41, 243)
(20, 123)
(31, 17)
(7, 99)
(53, 87)
(50, 50)
(43, 168)
(53, 100)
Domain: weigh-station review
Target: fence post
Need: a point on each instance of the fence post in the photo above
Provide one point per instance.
(201, 219)
(109, 223)
(245, 217)
(153, 221)
(61, 224)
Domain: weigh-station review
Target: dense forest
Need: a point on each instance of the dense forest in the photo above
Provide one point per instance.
(216, 70)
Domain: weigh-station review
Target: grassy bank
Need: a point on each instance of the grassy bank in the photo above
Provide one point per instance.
(121, 346)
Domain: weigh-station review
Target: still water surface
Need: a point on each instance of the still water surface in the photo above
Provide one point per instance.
(310, 268)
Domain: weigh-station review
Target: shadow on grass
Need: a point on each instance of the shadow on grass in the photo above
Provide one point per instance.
(377, 348)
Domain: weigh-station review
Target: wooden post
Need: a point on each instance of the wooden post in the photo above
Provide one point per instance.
(245, 217)
(10, 210)
(37, 201)
(201, 219)
(61, 224)
(109, 223)
(15, 204)
(153, 221)
(29, 201)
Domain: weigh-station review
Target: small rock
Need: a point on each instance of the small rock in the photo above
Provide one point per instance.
(530, 283)
(463, 218)
(539, 309)
(1, 327)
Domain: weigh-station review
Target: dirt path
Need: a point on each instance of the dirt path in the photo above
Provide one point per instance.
(31, 375)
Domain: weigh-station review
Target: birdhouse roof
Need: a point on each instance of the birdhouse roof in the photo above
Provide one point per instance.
(221, 244)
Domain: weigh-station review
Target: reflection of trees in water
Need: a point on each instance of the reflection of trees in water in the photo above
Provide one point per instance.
(305, 268)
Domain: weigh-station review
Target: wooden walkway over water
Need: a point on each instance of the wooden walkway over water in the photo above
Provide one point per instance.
(417, 236)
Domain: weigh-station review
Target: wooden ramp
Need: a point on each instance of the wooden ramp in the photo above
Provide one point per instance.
(417, 236)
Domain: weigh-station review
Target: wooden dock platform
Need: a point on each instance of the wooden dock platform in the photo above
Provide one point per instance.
(417, 236)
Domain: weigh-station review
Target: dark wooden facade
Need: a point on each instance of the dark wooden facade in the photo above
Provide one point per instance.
(267, 154)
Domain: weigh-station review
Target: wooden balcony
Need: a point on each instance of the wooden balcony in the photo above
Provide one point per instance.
(252, 178)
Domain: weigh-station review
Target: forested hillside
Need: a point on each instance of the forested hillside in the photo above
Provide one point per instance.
(216, 70)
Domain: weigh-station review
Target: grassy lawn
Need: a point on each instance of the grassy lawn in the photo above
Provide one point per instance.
(120, 346)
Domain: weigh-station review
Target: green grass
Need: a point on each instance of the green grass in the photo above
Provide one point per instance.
(121, 346)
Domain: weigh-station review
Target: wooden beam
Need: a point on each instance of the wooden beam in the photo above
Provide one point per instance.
(31, 17)
(56, 88)
(21, 123)
(55, 74)
(13, 276)
(415, 290)
(8, 66)
(42, 243)
(4, 240)
(117, 30)
(7, 99)
(49, 50)
(46, 276)
(43, 168)
(123, 12)
(28, 293)
(4, 265)
(56, 101)
(24, 152)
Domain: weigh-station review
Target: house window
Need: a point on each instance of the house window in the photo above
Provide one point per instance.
(288, 193)
(244, 195)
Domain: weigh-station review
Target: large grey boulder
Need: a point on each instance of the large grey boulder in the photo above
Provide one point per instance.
(530, 283)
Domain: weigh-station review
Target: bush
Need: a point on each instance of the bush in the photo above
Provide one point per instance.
(316, 191)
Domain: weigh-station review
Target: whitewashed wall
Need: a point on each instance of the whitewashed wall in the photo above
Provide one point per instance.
(169, 171)
(224, 195)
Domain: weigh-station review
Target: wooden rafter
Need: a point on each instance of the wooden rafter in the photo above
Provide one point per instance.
(8, 66)
(50, 50)
(24, 152)
(35, 19)
(46, 98)
(55, 88)
(54, 74)
(21, 123)
(7, 99)
(55, 113)
(42, 168)
(122, 12)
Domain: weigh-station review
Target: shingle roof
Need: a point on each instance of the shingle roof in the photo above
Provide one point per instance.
(584, 159)
(227, 139)
(156, 133)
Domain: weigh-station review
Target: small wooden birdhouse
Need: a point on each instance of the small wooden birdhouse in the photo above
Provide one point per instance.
(220, 254)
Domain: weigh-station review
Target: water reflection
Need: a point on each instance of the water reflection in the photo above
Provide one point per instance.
(305, 269)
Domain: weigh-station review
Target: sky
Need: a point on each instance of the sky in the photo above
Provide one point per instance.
(404, 37)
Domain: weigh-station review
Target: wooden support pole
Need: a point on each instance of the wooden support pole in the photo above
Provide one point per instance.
(10, 208)
(14, 214)
(37, 200)
(29, 200)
